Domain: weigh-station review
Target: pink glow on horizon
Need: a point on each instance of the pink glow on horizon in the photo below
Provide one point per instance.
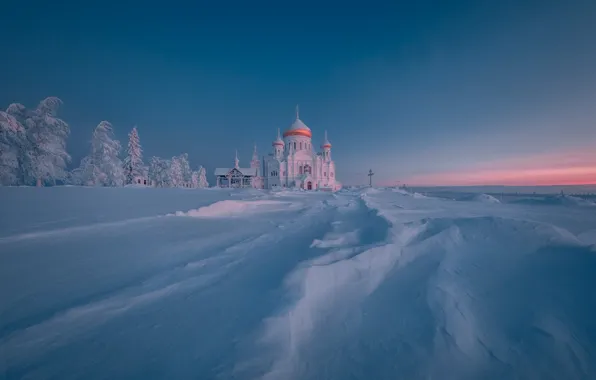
(577, 168)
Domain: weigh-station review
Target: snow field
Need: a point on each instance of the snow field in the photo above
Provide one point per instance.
(361, 284)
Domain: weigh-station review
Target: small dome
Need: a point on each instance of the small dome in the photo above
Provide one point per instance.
(278, 140)
(326, 143)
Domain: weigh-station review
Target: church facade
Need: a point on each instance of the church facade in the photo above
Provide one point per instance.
(241, 177)
(293, 163)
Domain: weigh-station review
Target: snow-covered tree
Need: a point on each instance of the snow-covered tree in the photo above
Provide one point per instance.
(25, 146)
(194, 180)
(133, 162)
(203, 178)
(12, 138)
(176, 175)
(42, 153)
(102, 167)
(159, 171)
(46, 149)
(185, 167)
(84, 175)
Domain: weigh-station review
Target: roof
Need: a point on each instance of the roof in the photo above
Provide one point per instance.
(298, 128)
(298, 124)
(243, 171)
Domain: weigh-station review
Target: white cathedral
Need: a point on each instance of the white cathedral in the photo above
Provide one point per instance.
(292, 164)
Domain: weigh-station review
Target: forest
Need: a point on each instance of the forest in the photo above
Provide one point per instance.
(33, 152)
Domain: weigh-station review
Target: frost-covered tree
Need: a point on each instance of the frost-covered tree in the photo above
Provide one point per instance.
(176, 175)
(84, 175)
(12, 138)
(48, 135)
(102, 167)
(43, 157)
(25, 154)
(159, 171)
(185, 167)
(194, 180)
(133, 162)
(203, 178)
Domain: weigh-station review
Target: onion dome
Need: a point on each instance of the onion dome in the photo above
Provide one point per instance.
(298, 128)
(278, 141)
(326, 143)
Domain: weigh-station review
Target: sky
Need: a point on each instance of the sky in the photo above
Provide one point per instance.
(422, 92)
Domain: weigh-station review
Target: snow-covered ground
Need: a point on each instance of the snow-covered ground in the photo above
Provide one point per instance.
(129, 283)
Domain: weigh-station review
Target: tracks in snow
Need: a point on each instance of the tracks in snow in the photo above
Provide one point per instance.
(359, 255)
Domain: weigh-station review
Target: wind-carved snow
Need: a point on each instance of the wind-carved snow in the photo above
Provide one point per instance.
(485, 198)
(471, 340)
(230, 208)
(332, 240)
(330, 284)
(362, 284)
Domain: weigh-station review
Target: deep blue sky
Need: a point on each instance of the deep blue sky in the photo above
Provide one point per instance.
(409, 88)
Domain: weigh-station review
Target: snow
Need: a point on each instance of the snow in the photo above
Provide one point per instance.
(245, 284)
(481, 198)
(228, 208)
(561, 200)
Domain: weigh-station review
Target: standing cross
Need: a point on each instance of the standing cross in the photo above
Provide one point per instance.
(370, 174)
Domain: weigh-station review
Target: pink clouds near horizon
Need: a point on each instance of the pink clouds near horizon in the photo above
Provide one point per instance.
(575, 168)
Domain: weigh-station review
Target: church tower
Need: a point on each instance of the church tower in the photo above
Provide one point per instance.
(278, 146)
(255, 163)
(326, 146)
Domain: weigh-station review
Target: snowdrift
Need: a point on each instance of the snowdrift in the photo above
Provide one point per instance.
(559, 200)
(235, 208)
(485, 198)
(360, 284)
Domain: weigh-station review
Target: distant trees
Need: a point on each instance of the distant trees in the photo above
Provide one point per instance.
(33, 151)
(159, 172)
(176, 172)
(199, 179)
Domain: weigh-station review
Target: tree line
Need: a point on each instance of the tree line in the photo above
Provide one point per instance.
(33, 152)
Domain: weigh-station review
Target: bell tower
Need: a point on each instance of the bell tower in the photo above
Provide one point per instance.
(326, 146)
(255, 163)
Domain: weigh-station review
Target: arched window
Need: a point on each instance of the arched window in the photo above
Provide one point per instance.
(307, 169)
(300, 144)
(300, 170)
